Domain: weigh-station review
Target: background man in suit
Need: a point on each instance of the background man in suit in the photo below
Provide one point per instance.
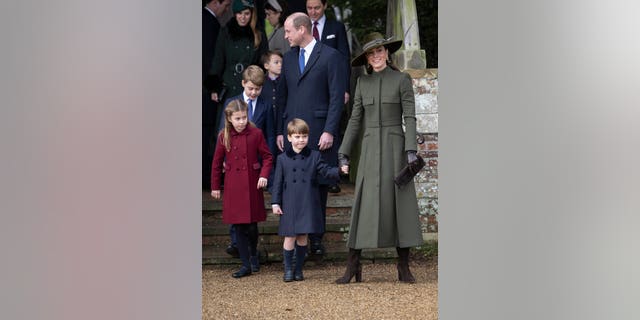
(211, 11)
(332, 33)
(312, 88)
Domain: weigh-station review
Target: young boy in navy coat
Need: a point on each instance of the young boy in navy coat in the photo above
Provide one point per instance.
(295, 196)
(261, 114)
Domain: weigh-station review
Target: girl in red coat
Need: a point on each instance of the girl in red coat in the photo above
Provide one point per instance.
(243, 151)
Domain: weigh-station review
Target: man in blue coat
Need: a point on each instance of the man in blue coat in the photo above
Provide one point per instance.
(311, 88)
(333, 34)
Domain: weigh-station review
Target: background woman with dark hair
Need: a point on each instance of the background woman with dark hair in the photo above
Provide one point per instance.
(239, 45)
(276, 12)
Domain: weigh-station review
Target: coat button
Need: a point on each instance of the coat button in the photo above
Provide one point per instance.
(294, 180)
(294, 169)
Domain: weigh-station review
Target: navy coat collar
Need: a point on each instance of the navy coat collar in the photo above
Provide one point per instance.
(305, 152)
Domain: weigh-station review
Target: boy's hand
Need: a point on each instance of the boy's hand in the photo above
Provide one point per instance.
(215, 194)
(214, 96)
(276, 209)
(262, 182)
(345, 169)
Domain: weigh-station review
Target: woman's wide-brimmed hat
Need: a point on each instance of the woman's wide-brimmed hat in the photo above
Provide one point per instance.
(374, 40)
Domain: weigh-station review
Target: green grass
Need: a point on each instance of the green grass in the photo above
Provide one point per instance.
(428, 250)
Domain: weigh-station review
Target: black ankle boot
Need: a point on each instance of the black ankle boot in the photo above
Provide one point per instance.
(404, 274)
(243, 272)
(354, 268)
(255, 263)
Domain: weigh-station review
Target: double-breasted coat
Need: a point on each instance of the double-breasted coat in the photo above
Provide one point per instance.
(242, 202)
(383, 214)
(295, 189)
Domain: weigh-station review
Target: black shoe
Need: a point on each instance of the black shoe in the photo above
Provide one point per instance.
(288, 276)
(298, 276)
(233, 251)
(255, 263)
(334, 188)
(243, 272)
(317, 248)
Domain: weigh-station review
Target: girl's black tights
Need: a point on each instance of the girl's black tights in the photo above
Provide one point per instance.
(247, 238)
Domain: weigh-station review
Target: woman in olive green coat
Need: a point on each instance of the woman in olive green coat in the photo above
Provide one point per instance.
(383, 214)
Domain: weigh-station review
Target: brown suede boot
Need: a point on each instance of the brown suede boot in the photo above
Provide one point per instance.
(404, 274)
(354, 268)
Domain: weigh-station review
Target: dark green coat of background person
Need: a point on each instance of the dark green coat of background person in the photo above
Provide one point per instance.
(383, 214)
(236, 49)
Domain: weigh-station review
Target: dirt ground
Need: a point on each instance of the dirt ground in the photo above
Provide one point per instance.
(264, 295)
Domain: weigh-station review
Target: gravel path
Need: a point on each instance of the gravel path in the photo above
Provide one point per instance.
(265, 296)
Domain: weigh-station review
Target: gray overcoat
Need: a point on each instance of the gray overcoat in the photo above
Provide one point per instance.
(383, 215)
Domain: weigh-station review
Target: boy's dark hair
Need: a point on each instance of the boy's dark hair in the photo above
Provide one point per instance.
(267, 56)
(254, 74)
(297, 126)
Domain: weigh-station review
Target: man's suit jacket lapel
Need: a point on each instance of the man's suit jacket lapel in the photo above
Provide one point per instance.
(313, 58)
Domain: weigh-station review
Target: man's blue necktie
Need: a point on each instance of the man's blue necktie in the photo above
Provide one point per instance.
(301, 60)
(250, 110)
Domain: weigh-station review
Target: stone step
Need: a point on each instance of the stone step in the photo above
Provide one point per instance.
(215, 234)
(272, 253)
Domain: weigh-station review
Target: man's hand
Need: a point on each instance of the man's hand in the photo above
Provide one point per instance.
(280, 142)
(214, 96)
(346, 97)
(276, 209)
(326, 141)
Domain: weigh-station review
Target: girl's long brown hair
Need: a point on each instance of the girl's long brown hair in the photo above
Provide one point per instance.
(233, 106)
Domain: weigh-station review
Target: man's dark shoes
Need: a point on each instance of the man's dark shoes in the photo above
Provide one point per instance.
(243, 272)
(334, 188)
(317, 248)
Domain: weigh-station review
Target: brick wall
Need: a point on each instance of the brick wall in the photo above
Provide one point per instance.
(425, 86)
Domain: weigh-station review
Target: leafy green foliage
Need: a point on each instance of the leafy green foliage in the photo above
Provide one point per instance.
(371, 15)
(428, 250)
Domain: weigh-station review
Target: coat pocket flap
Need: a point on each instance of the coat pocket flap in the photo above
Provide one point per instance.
(367, 100)
(320, 113)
